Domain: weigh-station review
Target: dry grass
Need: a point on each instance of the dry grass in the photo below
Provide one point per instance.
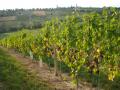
(9, 18)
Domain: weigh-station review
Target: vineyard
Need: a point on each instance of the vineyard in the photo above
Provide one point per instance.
(87, 46)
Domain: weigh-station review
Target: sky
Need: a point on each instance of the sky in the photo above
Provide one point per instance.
(12, 4)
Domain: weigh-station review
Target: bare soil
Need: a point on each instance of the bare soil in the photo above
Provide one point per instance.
(47, 75)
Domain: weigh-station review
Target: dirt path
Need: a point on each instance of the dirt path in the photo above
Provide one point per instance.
(1, 85)
(44, 74)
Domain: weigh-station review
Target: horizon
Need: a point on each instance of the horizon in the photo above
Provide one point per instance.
(56, 8)
(30, 4)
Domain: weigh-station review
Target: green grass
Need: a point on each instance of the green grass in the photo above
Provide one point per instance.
(101, 80)
(61, 65)
(15, 77)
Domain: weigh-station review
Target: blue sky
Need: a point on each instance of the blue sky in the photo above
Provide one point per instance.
(12, 4)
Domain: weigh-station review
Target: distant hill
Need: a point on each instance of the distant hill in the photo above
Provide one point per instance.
(13, 20)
